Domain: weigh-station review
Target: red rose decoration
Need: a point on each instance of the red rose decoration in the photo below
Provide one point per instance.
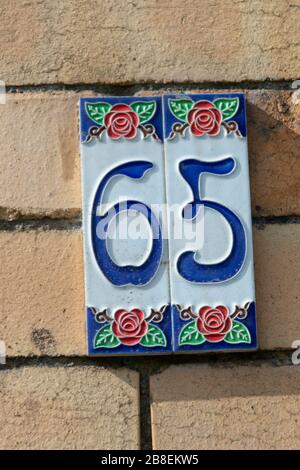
(121, 121)
(129, 326)
(204, 118)
(214, 323)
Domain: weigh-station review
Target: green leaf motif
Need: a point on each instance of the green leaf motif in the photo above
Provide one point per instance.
(154, 337)
(105, 338)
(228, 107)
(180, 108)
(238, 334)
(190, 335)
(144, 109)
(97, 111)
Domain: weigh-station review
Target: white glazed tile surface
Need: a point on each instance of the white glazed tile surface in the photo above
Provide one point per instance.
(98, 158)
(230, 190)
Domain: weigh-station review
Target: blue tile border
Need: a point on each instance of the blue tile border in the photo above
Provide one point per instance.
(165, 325)
(239, 114)
(86, 123)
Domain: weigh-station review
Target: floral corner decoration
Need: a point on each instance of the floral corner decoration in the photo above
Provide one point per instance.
(214, 325)
(129, 328)
(204, 117)
(121, 120)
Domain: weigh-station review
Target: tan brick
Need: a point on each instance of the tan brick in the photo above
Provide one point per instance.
(277, 261)
(84, 41)
(42, 290)
(69, 408)
(226, 407)
(40, 163)
(42, 293)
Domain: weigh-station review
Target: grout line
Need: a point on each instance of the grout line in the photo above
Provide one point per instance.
(21, 225)
(260, 222)
(153, 364)
(47, 223)
(145, 412)
(132, 88)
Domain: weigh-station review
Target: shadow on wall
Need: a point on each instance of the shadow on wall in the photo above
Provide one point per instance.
(274, 142)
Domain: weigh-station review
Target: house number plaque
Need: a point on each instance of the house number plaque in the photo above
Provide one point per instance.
(167, 224)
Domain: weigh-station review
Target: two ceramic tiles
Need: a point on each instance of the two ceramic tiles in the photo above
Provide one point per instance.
(167, 224)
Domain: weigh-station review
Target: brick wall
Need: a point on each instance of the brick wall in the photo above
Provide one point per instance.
(52, 53)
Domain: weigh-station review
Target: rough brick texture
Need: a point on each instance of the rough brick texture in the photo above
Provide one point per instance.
(277, 261)
(42, 290)
(42, 293)
(233, 407)
(40, 164)
(69, 408)
(89, 41)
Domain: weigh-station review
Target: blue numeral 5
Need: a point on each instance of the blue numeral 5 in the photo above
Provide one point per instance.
(188, 268)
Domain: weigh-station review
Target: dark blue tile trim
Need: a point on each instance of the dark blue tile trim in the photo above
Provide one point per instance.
(249, 322)
(93, 326)
(86, 123)
(170, 119)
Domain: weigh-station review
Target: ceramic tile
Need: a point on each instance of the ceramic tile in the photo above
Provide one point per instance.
(210, 248)
(143, 291)
(126, 279)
